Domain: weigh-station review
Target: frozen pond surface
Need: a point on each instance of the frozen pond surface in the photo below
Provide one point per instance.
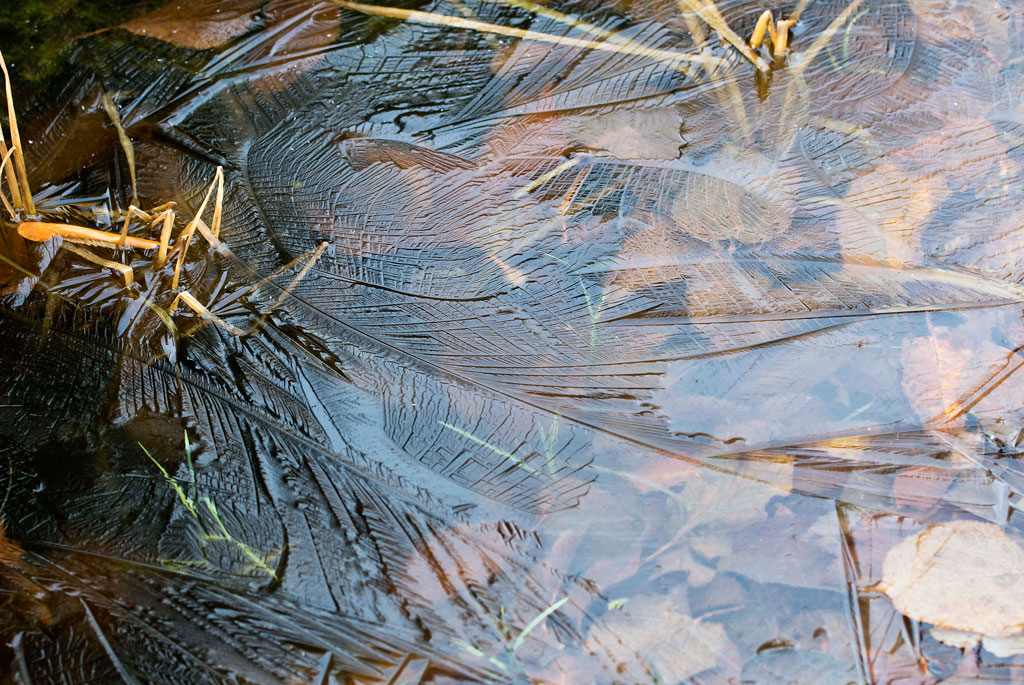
(623, 362)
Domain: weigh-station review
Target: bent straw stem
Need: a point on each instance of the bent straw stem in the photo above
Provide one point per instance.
(4, 166)
(185, 237)
(764, 23)
(804, 58)
(668, 56)
(126, 143)
(19, 159)
(707, 11)
(12, 179)
(200, 309)
(732, 98)
(808, 55)
(780, 43)
(576, 23)
(165, 236)
(126, 271)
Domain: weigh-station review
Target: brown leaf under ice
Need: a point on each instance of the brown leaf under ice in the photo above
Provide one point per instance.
(962, 575)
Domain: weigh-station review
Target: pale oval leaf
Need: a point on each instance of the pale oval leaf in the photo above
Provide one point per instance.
(962, 575)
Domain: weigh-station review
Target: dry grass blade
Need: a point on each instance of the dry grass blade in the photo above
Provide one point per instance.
(732, 98)
(165, 236)
(19, 159)
(575, 22)
(808, 55)
(126, 144)
(798, 10)
(780, 42)
(802, 60)
(12, 178)
(132, 211)
(696, 29)
(573, 189)
(957, 409)
(28, 274)
(4, 167)
(539, 619)
(126, 271)
(218, 205)
(537, 182)
(215, 242)
(569, 20)
(200, 309)
(667, 56)
(707, 11)
(314, 258)
(764, 23)
(185, 237)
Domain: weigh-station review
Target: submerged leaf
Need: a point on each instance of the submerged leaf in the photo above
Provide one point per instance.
(674, 645)
(966, 576)
(199, 25)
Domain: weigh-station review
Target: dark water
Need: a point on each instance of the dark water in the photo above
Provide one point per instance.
(615, 368)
